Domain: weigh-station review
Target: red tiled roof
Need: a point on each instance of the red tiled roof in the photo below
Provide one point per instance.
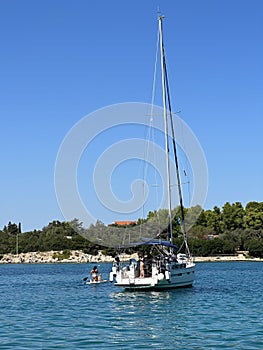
(122, 223)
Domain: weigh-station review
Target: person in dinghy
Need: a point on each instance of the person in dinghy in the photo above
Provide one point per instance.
(95, 274)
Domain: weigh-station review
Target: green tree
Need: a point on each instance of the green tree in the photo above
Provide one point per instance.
(214, 220)
(233, 216)
(254, 215)
(192, 215)
(202, 219)
(255, 248)
(11, 228)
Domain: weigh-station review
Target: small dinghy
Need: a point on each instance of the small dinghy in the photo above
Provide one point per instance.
(96, 282)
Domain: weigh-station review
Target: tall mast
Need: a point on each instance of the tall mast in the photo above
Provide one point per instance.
(170, 228)
(166, 98)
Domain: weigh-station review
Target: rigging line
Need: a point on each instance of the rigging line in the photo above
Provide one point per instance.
(182, 183)
(186, 165)
(154, 76)
(175, 156)
(152, 129)
(150, 133)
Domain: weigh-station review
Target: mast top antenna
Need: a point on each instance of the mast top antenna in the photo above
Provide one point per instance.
(160, 16)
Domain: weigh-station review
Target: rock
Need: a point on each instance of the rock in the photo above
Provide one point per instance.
(80, 257)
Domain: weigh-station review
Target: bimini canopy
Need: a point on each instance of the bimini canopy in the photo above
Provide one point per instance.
(148, 241)
(156, 242)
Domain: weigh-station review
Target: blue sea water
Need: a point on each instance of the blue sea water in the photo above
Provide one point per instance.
(49, 307)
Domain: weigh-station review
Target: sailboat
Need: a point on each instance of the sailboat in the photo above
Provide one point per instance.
(167, 267)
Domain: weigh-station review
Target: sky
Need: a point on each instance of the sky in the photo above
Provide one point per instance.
(62, 60)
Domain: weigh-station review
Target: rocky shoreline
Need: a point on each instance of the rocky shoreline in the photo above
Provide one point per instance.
(78, 256)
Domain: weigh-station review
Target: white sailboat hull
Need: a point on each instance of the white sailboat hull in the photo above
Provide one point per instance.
(176, 276)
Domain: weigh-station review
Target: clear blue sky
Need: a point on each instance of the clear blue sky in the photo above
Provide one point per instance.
(61, 60)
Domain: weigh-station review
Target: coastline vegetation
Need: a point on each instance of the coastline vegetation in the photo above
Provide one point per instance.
(210, 232)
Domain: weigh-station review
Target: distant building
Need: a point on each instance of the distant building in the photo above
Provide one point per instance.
(124, 223)
(211, 237)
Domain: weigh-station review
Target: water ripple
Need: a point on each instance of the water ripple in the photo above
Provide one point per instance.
(48, 307)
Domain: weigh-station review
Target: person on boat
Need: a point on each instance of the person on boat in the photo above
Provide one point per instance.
(94, 274)
(141, 267)
(147, 265)
(117, 263)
